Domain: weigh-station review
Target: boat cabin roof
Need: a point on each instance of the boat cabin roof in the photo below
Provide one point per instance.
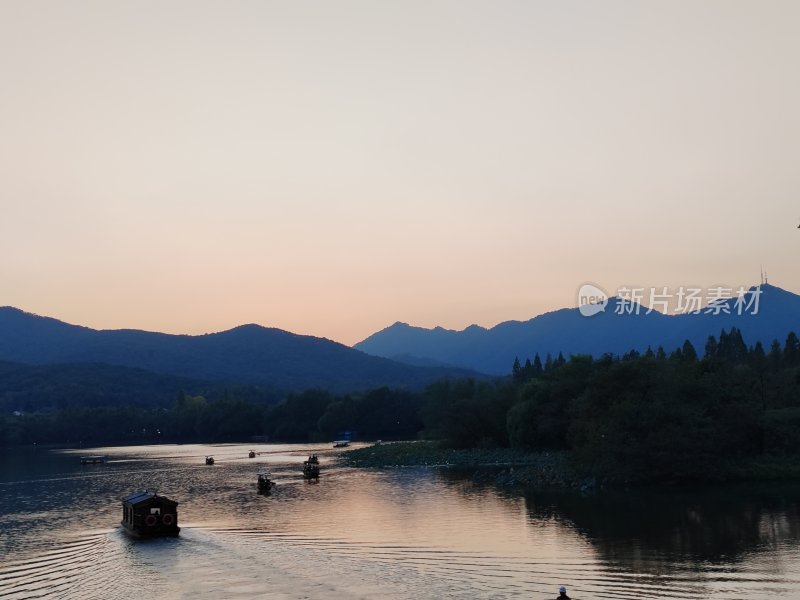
(147, 497)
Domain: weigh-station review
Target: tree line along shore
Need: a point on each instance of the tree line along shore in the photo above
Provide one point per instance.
(731, 411)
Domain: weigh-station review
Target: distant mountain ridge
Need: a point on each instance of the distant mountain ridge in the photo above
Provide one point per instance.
(249, 354)
(493, 350)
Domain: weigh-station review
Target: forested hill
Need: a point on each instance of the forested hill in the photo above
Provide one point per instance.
(567, 331)
(249, 354)
(30, 388)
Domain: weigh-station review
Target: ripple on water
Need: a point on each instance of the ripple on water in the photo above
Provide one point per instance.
(85, 567)
(357, 534)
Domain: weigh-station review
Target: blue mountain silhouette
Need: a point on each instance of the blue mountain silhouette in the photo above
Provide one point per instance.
(493, 350)
(248, 354)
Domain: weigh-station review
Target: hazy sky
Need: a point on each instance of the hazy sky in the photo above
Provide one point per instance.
(331, 167)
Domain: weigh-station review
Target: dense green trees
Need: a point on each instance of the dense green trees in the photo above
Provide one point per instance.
(308, 416)
(652, 418)
(466, 413)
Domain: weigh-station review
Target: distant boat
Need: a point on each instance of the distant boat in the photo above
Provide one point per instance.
(265, 484)
(146, 514)
(209, 460)
(311, 467)
(341, 443)
(93, 460)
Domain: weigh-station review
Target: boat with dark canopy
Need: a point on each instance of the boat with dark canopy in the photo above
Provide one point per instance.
(265, 484)
(146, 515)
(311, 467)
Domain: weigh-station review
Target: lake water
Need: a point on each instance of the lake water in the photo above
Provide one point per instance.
(376, 534)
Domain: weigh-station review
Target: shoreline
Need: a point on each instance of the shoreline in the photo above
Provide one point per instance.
(509, 468)
(504, 467)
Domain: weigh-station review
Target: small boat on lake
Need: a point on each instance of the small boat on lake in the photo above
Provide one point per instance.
(311, 467)
(341, 443)
(209, 460)
(93, 460)
(265, 484)
(146, 515)
(251, 454)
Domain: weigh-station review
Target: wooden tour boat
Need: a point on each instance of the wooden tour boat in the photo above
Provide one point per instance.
(146, 514)
(265, 484)
(311, 467)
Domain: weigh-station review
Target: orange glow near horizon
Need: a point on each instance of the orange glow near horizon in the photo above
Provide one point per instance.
(330, 170)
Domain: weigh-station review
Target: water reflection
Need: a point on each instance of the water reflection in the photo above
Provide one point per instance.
(709, 524)
(699, 524)
(731, 541)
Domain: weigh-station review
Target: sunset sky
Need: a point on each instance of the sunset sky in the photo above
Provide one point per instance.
(332, 167)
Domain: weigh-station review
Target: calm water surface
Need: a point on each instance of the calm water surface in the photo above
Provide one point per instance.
(402, 533)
